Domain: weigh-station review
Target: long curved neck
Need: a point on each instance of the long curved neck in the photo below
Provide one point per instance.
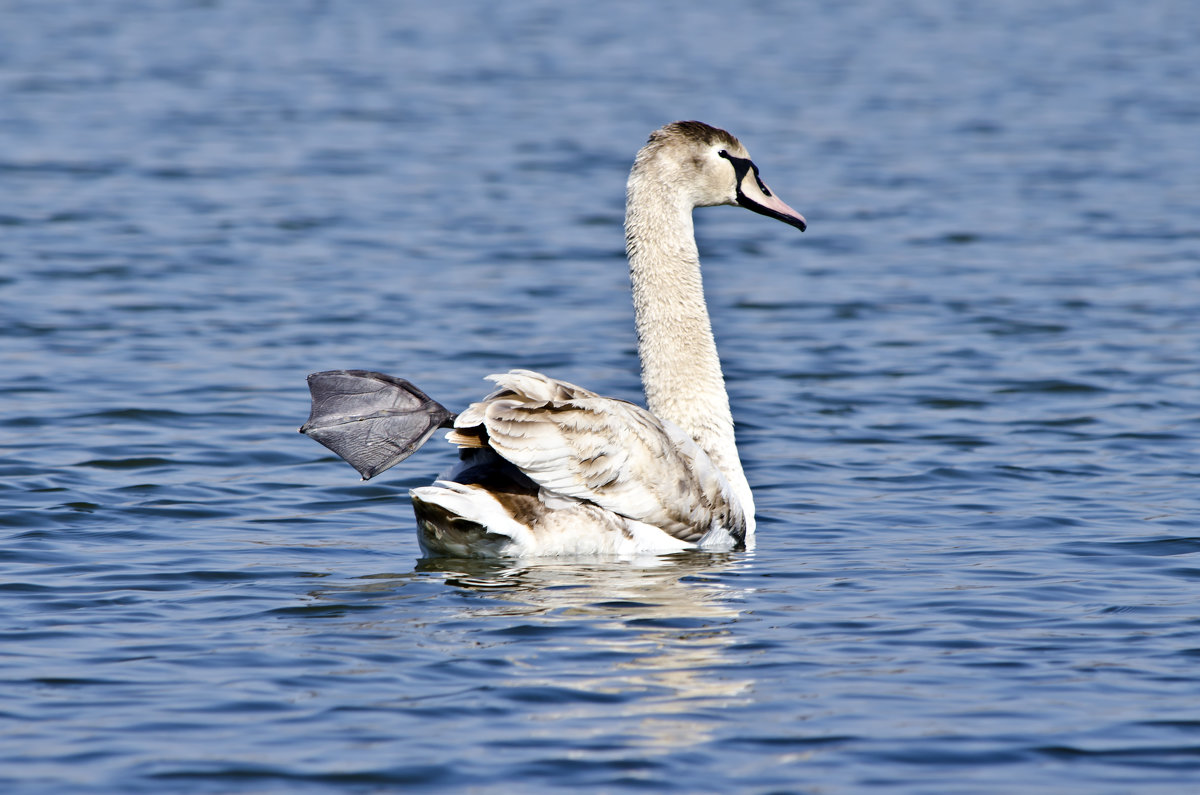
(681, 372)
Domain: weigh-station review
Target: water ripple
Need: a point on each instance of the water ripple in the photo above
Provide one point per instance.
(966, 398)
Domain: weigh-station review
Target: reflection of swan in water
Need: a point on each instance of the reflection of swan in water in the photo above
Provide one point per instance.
(652, 641)
(638, 649)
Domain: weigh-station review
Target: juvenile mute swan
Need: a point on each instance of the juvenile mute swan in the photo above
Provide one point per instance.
(549, 468)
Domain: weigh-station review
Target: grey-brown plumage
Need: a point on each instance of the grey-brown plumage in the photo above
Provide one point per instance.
(696, 132)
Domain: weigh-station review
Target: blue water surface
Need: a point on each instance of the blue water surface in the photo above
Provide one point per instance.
(968, 398)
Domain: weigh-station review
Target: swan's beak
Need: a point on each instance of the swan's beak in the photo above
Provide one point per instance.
(753, 194)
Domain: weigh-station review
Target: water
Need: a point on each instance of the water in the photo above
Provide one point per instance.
(967, 397)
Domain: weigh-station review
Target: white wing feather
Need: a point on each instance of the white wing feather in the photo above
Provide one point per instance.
(616, 455)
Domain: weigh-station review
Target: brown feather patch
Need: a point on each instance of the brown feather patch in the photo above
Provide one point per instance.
(463, 437)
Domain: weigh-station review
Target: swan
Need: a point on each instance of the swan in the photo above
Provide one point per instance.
(550, 468)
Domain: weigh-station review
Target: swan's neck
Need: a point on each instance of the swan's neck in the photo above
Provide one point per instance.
(681, 372)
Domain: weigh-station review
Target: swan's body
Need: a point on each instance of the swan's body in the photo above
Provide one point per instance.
(549, 468)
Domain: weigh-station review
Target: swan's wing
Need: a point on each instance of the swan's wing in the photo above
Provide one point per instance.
(611, 453)
(371, 420)
(525, 386)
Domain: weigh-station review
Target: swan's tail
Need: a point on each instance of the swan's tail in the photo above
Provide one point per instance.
(467, 521)
(371, 420)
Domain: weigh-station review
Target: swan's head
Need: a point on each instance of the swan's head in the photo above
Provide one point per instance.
(707, 166)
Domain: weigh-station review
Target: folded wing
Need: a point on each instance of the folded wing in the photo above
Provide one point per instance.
(614, 454)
